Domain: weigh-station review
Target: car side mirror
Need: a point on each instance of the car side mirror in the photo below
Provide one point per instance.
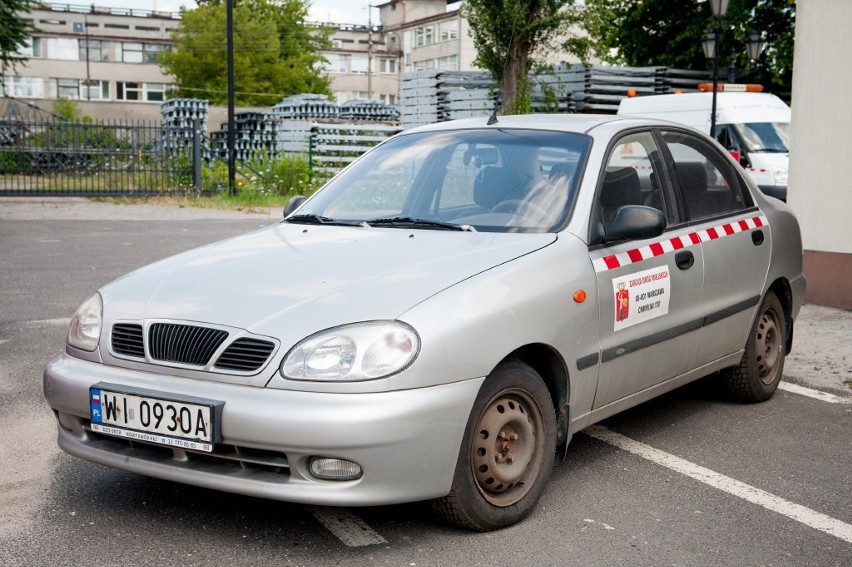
(635, 222)
(293, 204)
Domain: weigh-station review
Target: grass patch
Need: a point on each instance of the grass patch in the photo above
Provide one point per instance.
(247, 200)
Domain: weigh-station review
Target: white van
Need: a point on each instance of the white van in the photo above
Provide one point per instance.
(754, 127)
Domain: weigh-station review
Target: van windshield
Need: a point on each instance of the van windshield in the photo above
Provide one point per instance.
(773, 137)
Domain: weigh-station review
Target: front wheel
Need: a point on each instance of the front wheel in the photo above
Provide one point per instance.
(759, 372)
(507, 452)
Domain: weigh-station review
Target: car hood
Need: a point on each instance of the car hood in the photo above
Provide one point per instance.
(289, 280)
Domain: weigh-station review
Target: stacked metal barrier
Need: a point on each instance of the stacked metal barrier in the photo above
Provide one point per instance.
(367, 110)
(178, 117)
(254, 133)
(304, 106)
(434, 96)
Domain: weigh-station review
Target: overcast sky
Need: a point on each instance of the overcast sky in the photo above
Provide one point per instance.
(336, 11)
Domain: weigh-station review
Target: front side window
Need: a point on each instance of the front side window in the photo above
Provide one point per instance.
(709, 185)
(633, 177)
(493, 180)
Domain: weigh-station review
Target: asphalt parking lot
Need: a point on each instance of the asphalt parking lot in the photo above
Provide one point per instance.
(689, 478)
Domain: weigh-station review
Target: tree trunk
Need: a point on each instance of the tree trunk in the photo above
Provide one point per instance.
(514, 84)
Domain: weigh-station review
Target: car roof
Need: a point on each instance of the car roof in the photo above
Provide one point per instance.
(579, 123)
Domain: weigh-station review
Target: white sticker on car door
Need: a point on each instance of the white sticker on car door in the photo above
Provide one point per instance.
(641, 296)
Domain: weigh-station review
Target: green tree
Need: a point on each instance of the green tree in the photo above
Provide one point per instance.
(14, 31)
(670, 33)
(275, 53)
(508, 33)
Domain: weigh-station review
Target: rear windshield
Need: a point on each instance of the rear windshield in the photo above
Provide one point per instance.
(504, 180)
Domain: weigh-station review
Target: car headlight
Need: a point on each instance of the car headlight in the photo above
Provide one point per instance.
(85, 330)
(361, 351)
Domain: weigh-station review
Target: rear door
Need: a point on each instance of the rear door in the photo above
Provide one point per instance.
(650, 291)
(735, 240)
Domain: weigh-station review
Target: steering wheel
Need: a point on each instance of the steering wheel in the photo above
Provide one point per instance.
(519, 207)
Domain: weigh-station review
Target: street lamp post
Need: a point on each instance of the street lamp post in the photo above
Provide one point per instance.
(719, 8)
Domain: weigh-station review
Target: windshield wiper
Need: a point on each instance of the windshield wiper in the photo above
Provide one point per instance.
(319, 219)
(411, 222)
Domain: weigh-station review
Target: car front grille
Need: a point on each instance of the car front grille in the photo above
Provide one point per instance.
(127, 340)
(245, 354)
(184, 344)
(192, 345)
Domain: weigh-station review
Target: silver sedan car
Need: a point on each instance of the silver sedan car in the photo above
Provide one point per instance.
(439, 319)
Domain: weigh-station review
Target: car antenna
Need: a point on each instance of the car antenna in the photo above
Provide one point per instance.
(493, 118)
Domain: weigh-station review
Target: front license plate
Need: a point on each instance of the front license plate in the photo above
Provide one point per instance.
(188, 423)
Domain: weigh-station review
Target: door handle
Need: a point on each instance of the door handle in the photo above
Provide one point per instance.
(757, 237)
(684, 260)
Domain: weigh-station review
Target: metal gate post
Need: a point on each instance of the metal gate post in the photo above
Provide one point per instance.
(196, 155)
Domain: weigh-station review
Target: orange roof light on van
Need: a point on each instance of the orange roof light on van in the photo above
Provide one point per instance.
(730, 87)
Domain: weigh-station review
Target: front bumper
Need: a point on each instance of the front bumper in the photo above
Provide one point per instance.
(406, 442)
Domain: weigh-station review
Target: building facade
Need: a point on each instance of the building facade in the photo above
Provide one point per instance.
(95, 55)
(819, 186)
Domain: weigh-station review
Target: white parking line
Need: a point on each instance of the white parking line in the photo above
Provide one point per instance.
(816, 394)
(727, 484)
(349, 528)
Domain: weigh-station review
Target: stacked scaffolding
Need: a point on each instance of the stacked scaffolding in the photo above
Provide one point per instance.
(368, 111)
(435, 96)
(303, 107)
(179, 115)
(254, 133)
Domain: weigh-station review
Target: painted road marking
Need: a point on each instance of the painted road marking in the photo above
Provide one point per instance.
(727, 484)
(349, 528)
(815, 394)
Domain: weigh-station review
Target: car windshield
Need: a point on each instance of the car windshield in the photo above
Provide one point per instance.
(766, 136)
(495, 179)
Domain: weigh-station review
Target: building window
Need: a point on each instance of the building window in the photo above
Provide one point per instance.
(448, 63)
(387, 65)
(23, 87)
(360, 95)
(448, 31)
(157, 92)
(62, 48)
(335, 64)
(129, 52)
(94, 50)
(152, 92)
(152, 50)
(94, 90)
(63, 88)
(425, 64)
(388, 98)
(359, 64)
(424, 36)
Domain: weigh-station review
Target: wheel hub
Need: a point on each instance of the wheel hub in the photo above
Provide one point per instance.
(504, 449)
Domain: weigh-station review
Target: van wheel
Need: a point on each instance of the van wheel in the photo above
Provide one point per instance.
(759, 372)
(506, 454)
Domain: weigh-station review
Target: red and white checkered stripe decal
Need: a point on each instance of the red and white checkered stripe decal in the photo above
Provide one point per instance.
(670, 245)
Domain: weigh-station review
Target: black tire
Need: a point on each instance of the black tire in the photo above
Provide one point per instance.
(506, 454)
(759, 372)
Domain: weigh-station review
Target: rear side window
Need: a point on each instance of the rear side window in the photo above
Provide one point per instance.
(707, 182)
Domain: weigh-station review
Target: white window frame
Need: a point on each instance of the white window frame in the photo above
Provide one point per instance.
(448, 31)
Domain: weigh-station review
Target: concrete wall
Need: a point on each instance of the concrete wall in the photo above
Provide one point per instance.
(820, 181)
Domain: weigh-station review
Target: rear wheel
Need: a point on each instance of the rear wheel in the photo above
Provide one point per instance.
(506, 454)
(759, 372)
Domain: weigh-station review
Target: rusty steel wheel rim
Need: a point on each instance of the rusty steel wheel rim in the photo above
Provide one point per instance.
(507, 448)
(768, 345)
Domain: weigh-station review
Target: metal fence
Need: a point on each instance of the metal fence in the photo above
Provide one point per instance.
(58, 157)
